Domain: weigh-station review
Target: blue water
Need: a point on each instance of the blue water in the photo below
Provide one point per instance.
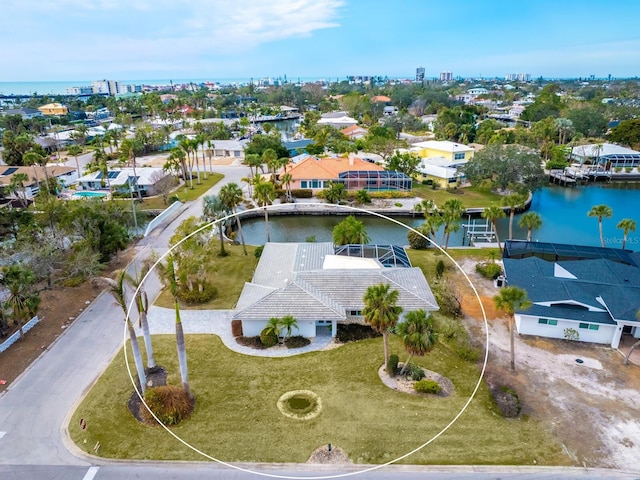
(89, 194)
(563, 212)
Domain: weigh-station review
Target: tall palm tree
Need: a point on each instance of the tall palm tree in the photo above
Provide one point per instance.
(452, 210)
(75, 151)
(177, 161)
(513, 201)
(215, 209)
(531, 221)
(187, 147)
(493, 213)
(17, 186)
(600, 211)
(264, 193)
(117, 289)
(231, 195)
(509, 300)
(418, 334)
(142, 305)
(23, 300)
(381, 312)
(626, 225)
(210, 147)
(129, 150)
(33, 159)
(286, 180)
(195, 145)
(350, 230)
(253, 160)
(172, 281)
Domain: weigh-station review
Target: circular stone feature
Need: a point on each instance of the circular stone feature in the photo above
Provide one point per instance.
(300, 404)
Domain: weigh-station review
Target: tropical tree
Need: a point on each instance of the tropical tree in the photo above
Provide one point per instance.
(272, 327)
(142, 305)
(33, 159)
(231, 195)
(350, 231)
(600, 211)
(531, 221)
(129, 150)
(451, 212)
(627, 225)
(513, 201)
(381, 312)
(214, 209)
(493, 214)
(23, 301)
(117, 289)
(418, 334)
(177, 162)
(75, 151)
(264, 193)
(17, 186)
(286, 179)
(509, 300)
(362, 197)
(335, 192)
(288, 323)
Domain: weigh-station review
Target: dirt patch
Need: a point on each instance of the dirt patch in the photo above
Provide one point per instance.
(157, 378)
(329, 454)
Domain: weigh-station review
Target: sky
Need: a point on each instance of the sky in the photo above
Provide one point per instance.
(56, 40)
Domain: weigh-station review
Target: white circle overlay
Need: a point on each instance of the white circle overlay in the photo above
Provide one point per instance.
(326, 207)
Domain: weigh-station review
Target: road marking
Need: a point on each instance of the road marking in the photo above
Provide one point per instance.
(2, 434)
(90, 473)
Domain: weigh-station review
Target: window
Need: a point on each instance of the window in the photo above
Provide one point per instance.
(589, 326)
(593, 326)
(355, 313)
(583, 325)
(547, 321)
(303, 184)
(458, 156)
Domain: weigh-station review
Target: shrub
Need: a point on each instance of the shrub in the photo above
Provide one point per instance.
(392, 365)
(398, 204)
(617, 169)
(447, 298)
(253, 342)
(302, 193)
(466, 351)
(268, 338)
(236, 328)
(571, 334)
(74, 281)
(173, 199)
(354, 331)
(427, 182)
(628, 169)
(440, 268)
(414, 372)
(489, 270)
(310, 239)
(258, 251)
(169, 403)
(507, 401)
(296, 342)
(427, 386)
(417, 241)
(194, 297)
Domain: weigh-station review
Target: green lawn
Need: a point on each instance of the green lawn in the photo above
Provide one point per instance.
(471, 197)
(236, 418)
(231, 274)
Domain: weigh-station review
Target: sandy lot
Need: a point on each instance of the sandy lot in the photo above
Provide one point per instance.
(593, 408)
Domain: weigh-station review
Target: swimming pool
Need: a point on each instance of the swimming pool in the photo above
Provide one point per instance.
(89, 194)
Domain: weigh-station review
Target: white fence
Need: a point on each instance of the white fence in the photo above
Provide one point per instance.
(14, 338)
(170, 210)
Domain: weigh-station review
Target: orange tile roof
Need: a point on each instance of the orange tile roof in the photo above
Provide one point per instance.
(380, 98)
(351, 129)
(328, 167)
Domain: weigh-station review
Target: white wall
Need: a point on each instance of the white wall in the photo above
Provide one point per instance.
(528, 325)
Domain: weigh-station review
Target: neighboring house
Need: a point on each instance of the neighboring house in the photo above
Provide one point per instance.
(296, 147)
(380, 99)
(440, 170)
(25, 113)
(455, 153)
(149, 179)
(593, 290)
(354, 132)
(607, 154)
(389, 111)
(65, 176)
(337, 120)
(315, 173)
(228, 148)
(56, 109)
(322, 286)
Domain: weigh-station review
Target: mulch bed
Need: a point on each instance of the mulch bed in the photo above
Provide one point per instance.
(156, 378)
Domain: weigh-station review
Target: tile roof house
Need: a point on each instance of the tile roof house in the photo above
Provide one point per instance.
(596, 293)
(315, 173)
(36, 174)
(354, 132)
(148, 179)
(320, 288)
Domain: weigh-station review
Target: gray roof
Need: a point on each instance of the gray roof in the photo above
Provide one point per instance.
(290, 280)
(599, 285)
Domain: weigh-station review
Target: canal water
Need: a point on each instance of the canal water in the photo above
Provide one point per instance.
(563, 212)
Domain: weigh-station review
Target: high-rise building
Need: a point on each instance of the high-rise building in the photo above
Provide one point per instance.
(79, 91)
(518, 77)
(446, 76)
(109, 87)
(419, 74)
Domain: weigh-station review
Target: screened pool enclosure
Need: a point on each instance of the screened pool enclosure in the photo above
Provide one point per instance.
(375, 180)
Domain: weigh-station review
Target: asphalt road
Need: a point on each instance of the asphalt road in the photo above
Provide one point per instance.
(34, 410)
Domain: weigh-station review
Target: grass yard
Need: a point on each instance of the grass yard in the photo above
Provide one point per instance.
(231, 273)
(471, 197)
(236, 418)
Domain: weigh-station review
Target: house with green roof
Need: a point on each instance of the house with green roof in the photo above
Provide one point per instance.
(321, 285)
(593, 290)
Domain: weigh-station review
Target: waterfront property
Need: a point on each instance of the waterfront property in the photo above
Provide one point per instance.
(148, 179)
(454, 153)
(321, 286)
(593, 291)
(36, 174)
(607, 154)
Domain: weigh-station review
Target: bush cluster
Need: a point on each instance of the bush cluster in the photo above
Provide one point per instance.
(268, 338)
(507, 400)
(258, 251)
(353, 332)
(489, 270)
(253, 342)
(169, 403)
(301, 193)
(417, 241)
(427, 386)
(392, 365)
(193, 297)
(414, 372)
(296, 342)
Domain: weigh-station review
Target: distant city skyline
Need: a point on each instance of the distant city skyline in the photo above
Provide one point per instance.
(116, 39)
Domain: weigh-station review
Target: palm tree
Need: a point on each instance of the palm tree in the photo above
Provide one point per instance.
(117, 289)
(17, 186)
(172, 280)
(215, 209)
(231, 195)
(129, 149)
(513, 201)
(531, 221)
(288, 323)
(451, 212)
(273, 327)
(177, 162)
(23, 301)
(33, 159)
(600, 211)
(493, 213)
(381, 312)
(350, 231)
(264, 193)
(75, 151)
(210, 147)
(142, 305)
(626, 225)
(418, 334)
(509, 300)
(335, 192)
(195, 144)
(286, 180)
(187, 147)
